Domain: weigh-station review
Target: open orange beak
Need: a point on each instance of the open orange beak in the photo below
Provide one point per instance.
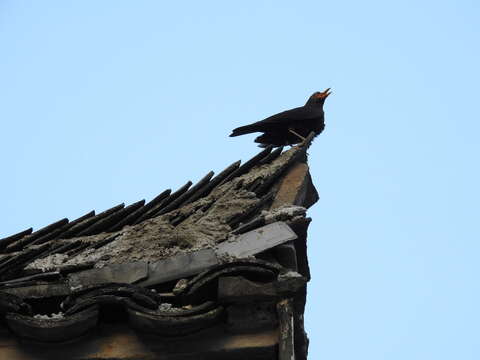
(324, 95)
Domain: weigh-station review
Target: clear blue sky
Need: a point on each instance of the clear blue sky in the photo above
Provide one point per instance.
(109, 101)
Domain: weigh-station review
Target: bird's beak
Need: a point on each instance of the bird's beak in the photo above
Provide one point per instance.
(322, 95)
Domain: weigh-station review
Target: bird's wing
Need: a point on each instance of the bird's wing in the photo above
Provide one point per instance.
(283, 118)
(299, 113)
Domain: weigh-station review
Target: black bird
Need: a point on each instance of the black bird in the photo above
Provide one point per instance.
(291, 126)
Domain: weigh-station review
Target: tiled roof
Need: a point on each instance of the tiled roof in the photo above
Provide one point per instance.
(115, 218)
(174, 264)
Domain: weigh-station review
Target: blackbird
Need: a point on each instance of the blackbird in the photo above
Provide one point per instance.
(291, 126)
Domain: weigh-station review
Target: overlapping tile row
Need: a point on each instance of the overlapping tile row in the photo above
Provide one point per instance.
(199, 303)
(115, 218)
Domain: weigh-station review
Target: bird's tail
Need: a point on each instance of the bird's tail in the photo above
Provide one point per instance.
(242, 130)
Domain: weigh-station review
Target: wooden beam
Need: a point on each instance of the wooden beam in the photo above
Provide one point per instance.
(286, 346)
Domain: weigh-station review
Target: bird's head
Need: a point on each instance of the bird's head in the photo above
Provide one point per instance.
(318, 97)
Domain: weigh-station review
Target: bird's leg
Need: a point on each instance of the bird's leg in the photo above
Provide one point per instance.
(297, 134)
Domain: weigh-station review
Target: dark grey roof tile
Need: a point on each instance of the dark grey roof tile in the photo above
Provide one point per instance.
(110, 220)
(12, 303)
(35, 277)
(207, 188)
(174, 325)
(53, 330)
(12, 238)
(58, 232)
(61, 248)
(78, 228)
(272, 156)
(248, 165)
(185, 196)
(27, 240)
(77, 300)
(165, 202)
(8, 268)
(134, 216)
